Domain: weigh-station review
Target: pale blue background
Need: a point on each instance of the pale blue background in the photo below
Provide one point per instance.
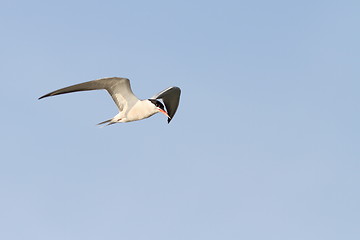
(265, 143)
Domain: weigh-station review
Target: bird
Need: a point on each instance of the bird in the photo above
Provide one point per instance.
(130, 107)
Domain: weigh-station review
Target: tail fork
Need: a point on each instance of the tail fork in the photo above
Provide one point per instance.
(104, 122)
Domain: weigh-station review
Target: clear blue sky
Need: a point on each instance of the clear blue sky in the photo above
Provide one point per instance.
(265, 143)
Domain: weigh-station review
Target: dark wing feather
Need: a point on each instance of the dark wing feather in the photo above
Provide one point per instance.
(171, 99)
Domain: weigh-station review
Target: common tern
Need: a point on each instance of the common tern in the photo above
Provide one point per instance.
(130, 107)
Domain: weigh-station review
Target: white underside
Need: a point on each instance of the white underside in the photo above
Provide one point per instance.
(141, 110)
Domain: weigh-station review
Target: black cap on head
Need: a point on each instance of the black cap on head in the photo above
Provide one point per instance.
(157, 103)
(161, 106)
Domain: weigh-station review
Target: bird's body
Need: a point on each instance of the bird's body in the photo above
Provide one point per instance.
(130, 107)
(142, 109)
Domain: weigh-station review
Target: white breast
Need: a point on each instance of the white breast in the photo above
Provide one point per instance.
(142, 109)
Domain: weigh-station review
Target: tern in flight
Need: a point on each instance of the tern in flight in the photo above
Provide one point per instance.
(130, 107)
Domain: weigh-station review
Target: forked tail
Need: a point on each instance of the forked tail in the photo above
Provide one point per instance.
(107, 121)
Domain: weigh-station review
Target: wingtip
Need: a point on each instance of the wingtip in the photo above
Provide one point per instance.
(46, 95)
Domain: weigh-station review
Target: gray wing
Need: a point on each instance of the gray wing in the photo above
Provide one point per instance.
(118, 88)
(171, 99)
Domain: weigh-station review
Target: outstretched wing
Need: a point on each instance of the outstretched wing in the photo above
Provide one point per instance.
(171, 99)
(118, 88)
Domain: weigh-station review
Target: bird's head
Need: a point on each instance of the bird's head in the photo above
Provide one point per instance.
(159, 107)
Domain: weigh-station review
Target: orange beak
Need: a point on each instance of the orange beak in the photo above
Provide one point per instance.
(166, 114)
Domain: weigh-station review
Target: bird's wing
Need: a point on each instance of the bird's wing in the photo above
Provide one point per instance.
(171, 98)
(118, 88)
